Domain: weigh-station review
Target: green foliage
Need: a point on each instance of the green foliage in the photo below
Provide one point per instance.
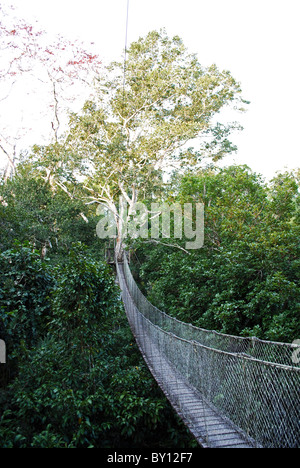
(61, 399)
(34, 211)
(81, 383)
(245, 281)
(85, 292)
(122, 143)
(25, 286)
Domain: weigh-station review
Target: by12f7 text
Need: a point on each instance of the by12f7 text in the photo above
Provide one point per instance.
(171, 457)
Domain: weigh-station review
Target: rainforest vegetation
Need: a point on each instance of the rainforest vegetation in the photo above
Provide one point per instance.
(74, 377)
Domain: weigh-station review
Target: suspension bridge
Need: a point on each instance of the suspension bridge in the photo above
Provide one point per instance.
(231, 392)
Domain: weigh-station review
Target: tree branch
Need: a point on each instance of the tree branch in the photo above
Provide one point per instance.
(155, 241)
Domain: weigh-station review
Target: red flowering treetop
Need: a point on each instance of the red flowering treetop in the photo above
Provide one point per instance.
(43, 76)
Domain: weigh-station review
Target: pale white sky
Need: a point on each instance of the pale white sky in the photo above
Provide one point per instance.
(257, 40)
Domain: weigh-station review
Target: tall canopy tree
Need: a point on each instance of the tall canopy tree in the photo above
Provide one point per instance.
(147, 121)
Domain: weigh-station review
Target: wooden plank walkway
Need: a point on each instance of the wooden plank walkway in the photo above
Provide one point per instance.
(210, 429)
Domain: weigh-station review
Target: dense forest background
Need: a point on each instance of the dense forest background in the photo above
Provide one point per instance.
(74, 377)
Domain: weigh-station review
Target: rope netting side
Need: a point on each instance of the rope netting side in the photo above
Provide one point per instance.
(248, 380)
(280, 353)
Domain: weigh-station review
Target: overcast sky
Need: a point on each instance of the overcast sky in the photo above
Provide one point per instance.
(257, 40)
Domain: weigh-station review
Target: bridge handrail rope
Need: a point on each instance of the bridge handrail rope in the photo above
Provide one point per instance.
(251, 347)
(152, 342)
(250, 382)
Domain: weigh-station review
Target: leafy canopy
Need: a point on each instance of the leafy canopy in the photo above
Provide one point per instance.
(245, 280)
(144, 122)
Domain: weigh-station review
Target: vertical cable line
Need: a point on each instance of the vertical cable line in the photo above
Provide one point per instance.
(125, 56)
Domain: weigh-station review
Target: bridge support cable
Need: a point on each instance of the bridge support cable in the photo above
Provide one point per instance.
(156, 345)
(230, 391)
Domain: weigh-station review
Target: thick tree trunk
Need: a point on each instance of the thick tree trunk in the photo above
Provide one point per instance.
(119, 252)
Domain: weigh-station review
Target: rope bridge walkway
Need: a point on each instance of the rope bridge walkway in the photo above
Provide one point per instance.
(231, 392)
